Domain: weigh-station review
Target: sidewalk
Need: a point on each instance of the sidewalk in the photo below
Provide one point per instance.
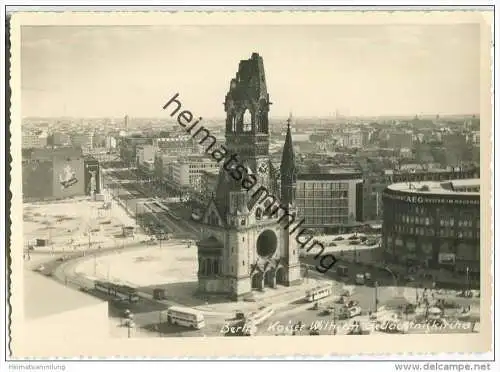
(227, 309)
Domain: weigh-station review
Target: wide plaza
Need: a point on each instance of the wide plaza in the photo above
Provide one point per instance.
(74, 225)
(89, 238)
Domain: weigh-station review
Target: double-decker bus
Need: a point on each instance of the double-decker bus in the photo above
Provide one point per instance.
(186, 317)
(319, 292)
(122, 292)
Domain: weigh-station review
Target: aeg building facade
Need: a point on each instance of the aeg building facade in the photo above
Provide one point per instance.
(433, 224)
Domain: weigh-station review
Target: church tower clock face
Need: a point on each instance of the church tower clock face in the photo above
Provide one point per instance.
(262, 167)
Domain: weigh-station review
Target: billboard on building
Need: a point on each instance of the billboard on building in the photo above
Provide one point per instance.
(92, 178)
(68, 177)
(37, 179)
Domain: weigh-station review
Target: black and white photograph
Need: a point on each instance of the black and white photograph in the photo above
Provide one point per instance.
(296, 179)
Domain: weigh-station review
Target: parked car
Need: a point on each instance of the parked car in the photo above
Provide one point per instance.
(40, 268)
(409, 278)
(408, 309)
(353, 237)
(332, 244)
(356, 329)
(352, 303)
(466, 294)
(354, 242)
(339, 238)
(341, 300)
(240, 315)
(354, 311)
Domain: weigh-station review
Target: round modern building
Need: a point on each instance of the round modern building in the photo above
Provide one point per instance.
(433, 225)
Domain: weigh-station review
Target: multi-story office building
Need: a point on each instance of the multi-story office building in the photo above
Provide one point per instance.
(433, 224)
(33, 140)
(400, 140)
(60, 139)
(187, 171)
(83, 140)
(208, 182)
(474, 137)
(145, 154)
(128, 148)
(330, 202)
(179, 145)
(353, 139)
(110, 142)
(434, 175)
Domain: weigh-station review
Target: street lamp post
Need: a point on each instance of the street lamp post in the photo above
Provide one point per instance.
(394, 277)
(89, 234)
(376, 296)
(467, 278)
(50, 238)
(159, 323)
(136, 205)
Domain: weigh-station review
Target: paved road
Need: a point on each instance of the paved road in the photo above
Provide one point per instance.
(148, 313)
(140, 199)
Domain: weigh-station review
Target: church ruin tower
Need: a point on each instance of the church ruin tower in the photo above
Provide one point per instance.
(244, 246)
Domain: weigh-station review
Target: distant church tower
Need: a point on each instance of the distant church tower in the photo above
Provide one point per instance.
(245, 247)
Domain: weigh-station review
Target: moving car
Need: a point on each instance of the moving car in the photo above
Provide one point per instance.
(326, 311)
(360, 279)
(409, 278)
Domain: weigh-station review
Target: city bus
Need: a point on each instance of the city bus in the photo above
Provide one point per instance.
(122, 292)
(186, 317)
(319, 293)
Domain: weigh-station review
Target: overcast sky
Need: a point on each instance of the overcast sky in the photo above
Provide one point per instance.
(310, 70)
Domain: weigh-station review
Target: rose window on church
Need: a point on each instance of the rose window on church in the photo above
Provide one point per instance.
(267, 243)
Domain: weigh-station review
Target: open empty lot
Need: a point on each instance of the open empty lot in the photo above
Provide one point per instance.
(67, 224)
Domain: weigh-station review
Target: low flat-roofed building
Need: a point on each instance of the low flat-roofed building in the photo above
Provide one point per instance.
(55, 314)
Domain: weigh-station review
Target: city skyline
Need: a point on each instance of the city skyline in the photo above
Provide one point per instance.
(396, 70)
